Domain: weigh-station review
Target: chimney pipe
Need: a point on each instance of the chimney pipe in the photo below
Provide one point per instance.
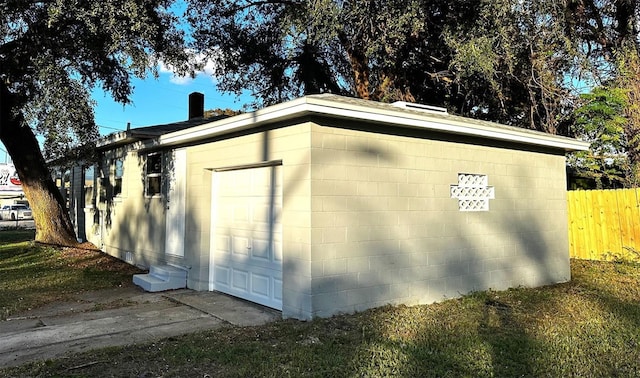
(196, 105)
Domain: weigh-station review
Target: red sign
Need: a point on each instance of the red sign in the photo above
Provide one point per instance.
(9, 180)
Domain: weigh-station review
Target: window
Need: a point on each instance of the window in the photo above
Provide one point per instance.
(153, 175)
(66, 187)
(117, 174)
(89, 194)
(102, 180)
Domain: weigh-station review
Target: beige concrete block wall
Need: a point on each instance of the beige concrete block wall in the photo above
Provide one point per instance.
(291, 145)
(133, 224)
(367, 217)
(385, 230)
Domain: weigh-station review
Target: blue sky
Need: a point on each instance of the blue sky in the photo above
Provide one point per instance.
(162, 100)
(158, 101)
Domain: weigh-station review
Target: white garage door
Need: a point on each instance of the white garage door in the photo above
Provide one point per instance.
(246, 256)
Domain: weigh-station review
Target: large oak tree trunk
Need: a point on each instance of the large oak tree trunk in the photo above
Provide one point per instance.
(53, 225)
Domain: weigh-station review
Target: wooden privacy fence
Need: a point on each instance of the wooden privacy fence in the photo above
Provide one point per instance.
(604, 224)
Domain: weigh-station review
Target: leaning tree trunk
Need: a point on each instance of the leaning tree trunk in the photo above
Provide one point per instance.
(53, 225)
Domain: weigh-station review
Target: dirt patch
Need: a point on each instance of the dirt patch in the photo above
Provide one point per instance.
(87, 255)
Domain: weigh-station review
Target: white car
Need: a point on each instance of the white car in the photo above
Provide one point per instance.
(15, 212)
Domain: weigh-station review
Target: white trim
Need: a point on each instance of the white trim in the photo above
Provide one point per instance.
(262, 164)
(215, 184)
(324, 106)
(175, 212)
(420, 107)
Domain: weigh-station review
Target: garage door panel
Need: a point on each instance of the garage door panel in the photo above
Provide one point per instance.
(261, 179)
(262, 212)
(260, 284)
(262, 288)
(246, 206)
(240, 215)
(261, 228)
(277, 289)
(222, 276)
(240, 245)
(223, 244)
(225, 212)
(261, 249)
(232, 260)
(240, 280)
(277, 252)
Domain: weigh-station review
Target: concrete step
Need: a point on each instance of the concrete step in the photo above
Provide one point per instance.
(161, 278)
(167, 271)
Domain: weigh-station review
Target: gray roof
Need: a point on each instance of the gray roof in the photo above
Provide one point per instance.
(409, 116)
(147, 132)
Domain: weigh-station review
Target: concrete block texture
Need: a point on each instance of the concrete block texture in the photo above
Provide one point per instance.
(367, 216)
(402, 229)
(360, 213)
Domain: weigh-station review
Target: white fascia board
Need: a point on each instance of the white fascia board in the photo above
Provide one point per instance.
(112, 139)
(322, 107)
(509, 134)
(281, 112)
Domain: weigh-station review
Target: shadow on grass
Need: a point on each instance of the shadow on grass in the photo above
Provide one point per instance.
(34, 275)
(15, 236)
(572, 329)
(471, 336)
(483, 334)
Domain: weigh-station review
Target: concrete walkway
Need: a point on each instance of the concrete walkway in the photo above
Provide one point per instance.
(120, 317)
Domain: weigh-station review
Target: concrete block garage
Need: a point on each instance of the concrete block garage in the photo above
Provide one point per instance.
(327, 204)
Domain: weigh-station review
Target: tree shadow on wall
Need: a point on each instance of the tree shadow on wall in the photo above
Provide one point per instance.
(463, 260)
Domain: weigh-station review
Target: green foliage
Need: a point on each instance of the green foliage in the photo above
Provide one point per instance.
(263, 47)
(601, 121)
(384, 50)
(501, 60)
(629, 256)
(221, 112)
(53, 53)
(515, 62)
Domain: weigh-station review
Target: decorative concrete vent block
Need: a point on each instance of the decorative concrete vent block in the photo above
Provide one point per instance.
(472, 192)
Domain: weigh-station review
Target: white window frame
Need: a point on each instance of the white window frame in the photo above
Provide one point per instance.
(91, 201)
(117, 175)
(155, 175)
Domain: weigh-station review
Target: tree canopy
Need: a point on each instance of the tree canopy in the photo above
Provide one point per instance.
(517, 62)
(522, 63)
(601, 121)
(53, 52)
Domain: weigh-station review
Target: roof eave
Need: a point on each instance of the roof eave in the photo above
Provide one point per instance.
(319, 106)
(115, 140)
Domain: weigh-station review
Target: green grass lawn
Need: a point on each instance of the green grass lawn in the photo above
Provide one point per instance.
(588, 327)
(32, 275)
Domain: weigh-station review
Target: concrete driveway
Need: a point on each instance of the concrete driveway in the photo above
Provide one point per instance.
(120, 317)
(22, 223)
